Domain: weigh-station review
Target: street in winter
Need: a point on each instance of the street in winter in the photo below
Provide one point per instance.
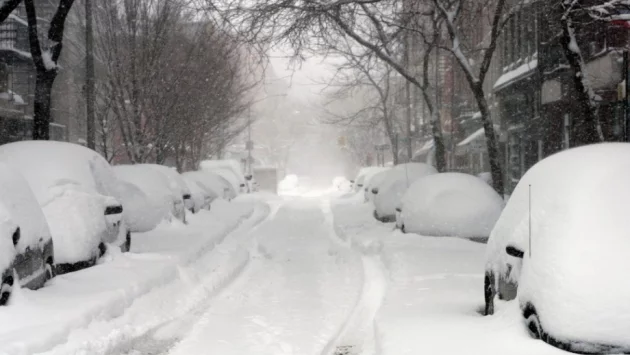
(314, 177)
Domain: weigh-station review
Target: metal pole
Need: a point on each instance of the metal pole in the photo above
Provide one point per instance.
(249, 140)
(626, 114)
(89, 76)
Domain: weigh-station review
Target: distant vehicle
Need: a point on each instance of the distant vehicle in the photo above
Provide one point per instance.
(26, 246)
(563, 239)
(79, 195)
(229, 170)
(165, 201)
(450, 204)
(391, 189)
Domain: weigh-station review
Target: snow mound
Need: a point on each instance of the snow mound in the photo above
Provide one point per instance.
(394, 185)
(290, 182)
(575, 273)
(450, 204)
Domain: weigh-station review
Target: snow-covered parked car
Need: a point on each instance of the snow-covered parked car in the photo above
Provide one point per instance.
(215, 185)
(372, 184)
(26, 246)
(563, 239)
(79, 195)
(177, 184)
(200, 196)
(395, 183)
(139, 214)
(364, 175)
(165, 202)
(229, 169)
(450, 204)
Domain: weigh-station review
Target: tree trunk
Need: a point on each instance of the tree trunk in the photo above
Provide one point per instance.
(491, 140)
(586, 124)
(44, 80)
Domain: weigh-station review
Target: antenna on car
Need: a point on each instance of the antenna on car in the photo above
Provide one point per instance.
(530, 220)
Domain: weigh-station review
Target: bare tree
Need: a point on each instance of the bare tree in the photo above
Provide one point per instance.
(45, 59)
(377, 25)
(573, 16)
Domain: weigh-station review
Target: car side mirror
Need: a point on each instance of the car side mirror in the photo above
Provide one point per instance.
(375, 190)
(352, 181)
(514, 251)
(16, 236)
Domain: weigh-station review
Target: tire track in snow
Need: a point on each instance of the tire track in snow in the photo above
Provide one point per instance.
(159, 330)
(357, 335)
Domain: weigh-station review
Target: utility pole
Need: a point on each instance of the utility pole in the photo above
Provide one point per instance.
(89, 76)
(250, 144)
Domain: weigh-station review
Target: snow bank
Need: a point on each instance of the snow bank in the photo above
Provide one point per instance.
(575, 272)
(155, 186)
(395, 183)
(450, 204)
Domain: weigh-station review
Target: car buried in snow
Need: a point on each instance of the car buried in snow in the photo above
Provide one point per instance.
(79, 195)
(563, 241)
(393, 186)
(26, 247)
(177, 184)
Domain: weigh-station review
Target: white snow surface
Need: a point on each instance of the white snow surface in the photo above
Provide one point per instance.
(365, 174)
(450, 204)
(434, 293)
(516, 73)
(290, 182)
(574, 272)
(168, 274)
(395, 184)
(176, 182)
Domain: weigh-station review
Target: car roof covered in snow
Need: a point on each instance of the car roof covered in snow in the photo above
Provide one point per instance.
(450, 204)
(47, 164)
(576, 270)
(227, 175)
(225, 164)
(176, 182)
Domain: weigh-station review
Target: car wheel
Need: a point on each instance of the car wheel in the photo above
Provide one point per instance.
(489, 292)
(5, 289)
(127, 245)
(102, 248)
(50, 270)
(533, 326)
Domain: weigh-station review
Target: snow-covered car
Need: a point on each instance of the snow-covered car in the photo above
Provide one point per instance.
(26, 246)
(213, 184)
(201, 197)
(449, 204)
(165, 202)
(139, 214)
(177, 184)
(372, 184)
(340, 183)
(563, 239)
(395, 183)
(229, 169)
(79, 195)
(364, 175)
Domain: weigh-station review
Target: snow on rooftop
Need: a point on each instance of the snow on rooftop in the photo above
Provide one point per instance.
(516, 73)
